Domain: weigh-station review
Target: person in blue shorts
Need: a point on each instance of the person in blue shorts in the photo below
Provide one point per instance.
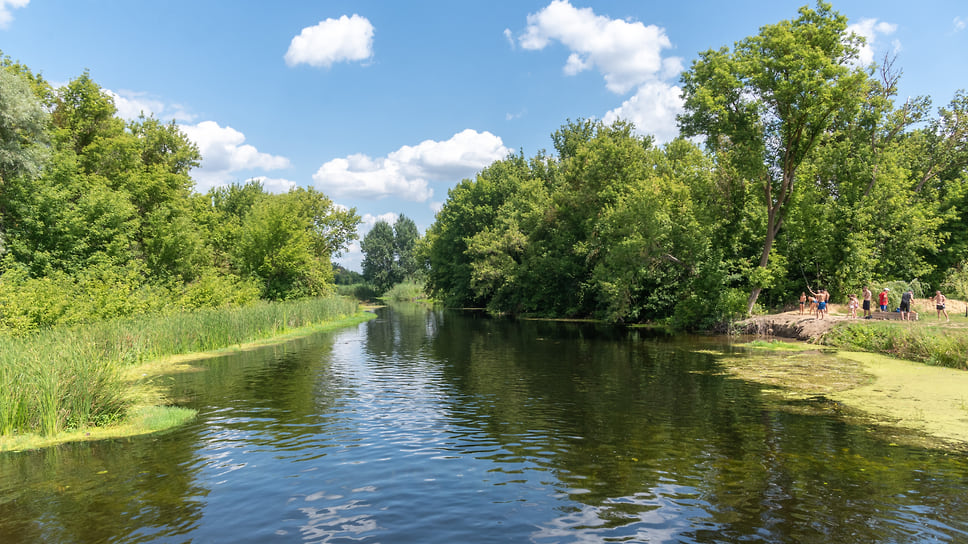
(822, 297)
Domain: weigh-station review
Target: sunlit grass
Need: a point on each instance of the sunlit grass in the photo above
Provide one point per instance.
(926, 341)
(73, 378)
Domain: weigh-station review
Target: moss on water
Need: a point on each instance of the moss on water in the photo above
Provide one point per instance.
(928, 399)
(141, 420)
(909, 402)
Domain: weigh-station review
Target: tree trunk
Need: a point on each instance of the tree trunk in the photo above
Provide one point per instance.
(771, 230)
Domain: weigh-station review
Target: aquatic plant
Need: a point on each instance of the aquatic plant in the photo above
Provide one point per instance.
(71, 377)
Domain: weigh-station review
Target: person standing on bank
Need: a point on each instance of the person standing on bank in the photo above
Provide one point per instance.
(822, 297)
(867, 303)
(882, 299)
(803, 302)
(906, 305)
(939, 304)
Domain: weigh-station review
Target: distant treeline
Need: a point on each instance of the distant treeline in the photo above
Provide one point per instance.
(809, 172)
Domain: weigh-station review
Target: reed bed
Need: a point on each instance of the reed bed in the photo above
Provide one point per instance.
(69, 377)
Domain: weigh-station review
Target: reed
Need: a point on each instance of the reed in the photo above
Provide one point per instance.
(71, 377)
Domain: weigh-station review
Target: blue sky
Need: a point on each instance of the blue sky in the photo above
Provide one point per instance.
(385, 105)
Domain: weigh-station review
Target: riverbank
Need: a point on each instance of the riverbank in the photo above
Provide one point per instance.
(908, 402)
(148, 412)
(929, 403)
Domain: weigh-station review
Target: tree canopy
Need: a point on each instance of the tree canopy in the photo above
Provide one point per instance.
(809, 173)
(91, 202)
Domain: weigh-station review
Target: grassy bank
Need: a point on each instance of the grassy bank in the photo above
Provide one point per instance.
(68, 379)
(926, 341)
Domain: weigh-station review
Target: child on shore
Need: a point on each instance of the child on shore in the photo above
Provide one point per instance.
(852, 306)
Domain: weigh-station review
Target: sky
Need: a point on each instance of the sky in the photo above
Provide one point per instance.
(385, 105)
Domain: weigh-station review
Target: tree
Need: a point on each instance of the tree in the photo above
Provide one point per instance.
(379, 266)
(287, 241)
(23, 137)
(405, 237)
(765, 105)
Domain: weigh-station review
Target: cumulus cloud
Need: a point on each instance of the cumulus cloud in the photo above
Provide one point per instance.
(224, 153)
(408, 172)
(333, 40)
(653, 110)
(627, 53)
(870, 30)
(131, 104)
(275, 185)
(5, 6)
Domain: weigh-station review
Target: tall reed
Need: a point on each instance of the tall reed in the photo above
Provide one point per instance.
(69, 377)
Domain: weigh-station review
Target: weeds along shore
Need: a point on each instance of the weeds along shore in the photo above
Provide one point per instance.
(923, 341)
(70, 378)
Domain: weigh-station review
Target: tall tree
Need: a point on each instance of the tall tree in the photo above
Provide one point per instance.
(379, 266)
(765, 105)
(405, 237)
(23, 136)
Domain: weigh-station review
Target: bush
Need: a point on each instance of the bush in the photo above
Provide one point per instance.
(407, 291)
(360, 291)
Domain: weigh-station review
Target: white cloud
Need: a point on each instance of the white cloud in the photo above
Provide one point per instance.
(959, 23)
(333, 40)
(870, 29)
(131, 104)
(275, 185)
(627, 53)
(407, 172)
(653, 109)
(224, 153)
(5, 6)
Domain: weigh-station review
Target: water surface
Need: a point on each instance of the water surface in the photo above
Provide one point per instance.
(443, 427)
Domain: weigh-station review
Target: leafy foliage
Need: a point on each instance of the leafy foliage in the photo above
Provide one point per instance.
(99, 218)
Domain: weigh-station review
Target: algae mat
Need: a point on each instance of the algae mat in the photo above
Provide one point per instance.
(927, 401)
(930, 399)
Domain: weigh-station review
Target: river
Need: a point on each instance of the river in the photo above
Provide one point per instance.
(428, 426)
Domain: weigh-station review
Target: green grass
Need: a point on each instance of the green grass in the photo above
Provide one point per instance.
(72, 377)
(407, 291)
(924, 341)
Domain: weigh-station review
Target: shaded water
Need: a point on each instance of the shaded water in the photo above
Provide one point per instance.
(425, 426)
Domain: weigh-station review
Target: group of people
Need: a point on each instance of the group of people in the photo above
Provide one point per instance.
(820, 300)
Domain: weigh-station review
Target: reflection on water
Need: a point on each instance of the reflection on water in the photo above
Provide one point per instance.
(427, 426)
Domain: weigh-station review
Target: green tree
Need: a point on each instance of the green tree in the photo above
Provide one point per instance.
(765, 105)
(405, 238)
(23, 137)
(287, 242)
(379, 264)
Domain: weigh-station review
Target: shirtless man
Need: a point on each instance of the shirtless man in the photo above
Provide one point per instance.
(939, 304)
(822, 298)
(867, 303)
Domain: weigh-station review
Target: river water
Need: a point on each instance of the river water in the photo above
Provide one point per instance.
(442, 427)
